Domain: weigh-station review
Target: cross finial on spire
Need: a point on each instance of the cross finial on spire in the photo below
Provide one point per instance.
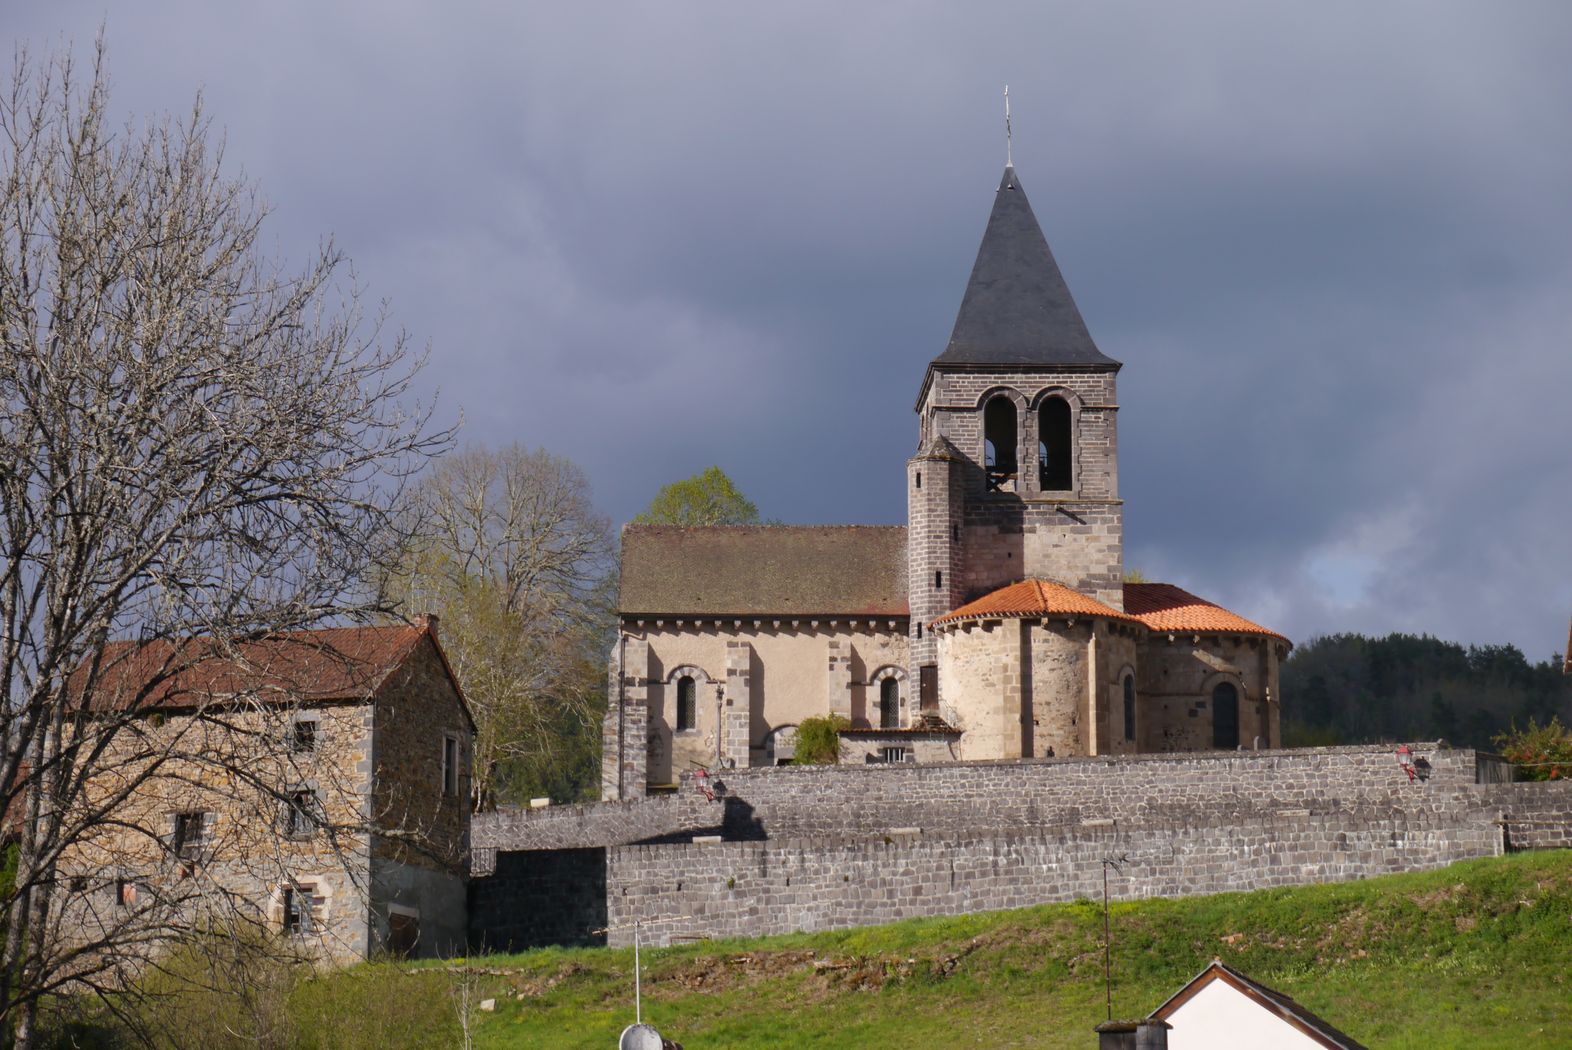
(1009, 159)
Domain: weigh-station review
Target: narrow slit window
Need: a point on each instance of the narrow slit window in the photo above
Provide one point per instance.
(687, 703)
(938, 580)
(450, 766)
(1054, 462)
(1129, 707)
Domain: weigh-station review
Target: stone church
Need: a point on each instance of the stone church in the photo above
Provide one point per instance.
(997, 624)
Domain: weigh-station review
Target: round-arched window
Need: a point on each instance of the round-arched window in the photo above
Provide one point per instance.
(1129, 707)
(1054, 452)
(889, 704)
(687, 703)
(1225, 717)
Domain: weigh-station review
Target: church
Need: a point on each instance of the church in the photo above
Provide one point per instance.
(997, 624)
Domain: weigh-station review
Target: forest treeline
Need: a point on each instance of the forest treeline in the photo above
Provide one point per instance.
(1350, 689)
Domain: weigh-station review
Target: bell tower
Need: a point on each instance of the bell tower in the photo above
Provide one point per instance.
(1018, 418)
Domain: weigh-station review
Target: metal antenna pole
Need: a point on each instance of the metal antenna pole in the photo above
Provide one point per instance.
(1009, 157)
(1107, 948)
(638, 993)
(1109, 862)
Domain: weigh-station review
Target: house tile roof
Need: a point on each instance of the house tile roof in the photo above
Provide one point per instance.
(1031, 598)
(1164, 608)
(338, 663)
(764, 570)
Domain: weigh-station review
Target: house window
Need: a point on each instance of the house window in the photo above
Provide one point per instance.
(303, 737)
(687, 703)
(1225, 717)
(889, 704)
(1129, 707)
(893, 754)
(125, 893)
(188, 836)
(450, 766)
(300, 814)
(999, 442)
(1054, 463)
(296, 915)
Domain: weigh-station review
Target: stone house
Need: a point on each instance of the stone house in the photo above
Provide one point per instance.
(995, 624)
(316, 781)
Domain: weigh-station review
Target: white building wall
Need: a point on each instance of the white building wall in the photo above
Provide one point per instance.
(1220, 1017)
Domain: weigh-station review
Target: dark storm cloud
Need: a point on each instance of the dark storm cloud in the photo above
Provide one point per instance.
(1330, 243)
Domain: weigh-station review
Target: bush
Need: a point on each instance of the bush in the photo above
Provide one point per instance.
(817, 741)
(1540, 752)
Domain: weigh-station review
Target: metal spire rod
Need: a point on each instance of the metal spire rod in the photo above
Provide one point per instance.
(1009, 157)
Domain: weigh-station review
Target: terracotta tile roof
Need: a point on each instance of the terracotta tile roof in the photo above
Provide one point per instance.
(1164, 608)
(1031, 598)
(338, 663)
(763, 570)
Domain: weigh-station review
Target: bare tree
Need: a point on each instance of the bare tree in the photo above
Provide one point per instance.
(516, 561)
(194, 443)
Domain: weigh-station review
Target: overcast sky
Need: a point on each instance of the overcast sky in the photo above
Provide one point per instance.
(1331, 243)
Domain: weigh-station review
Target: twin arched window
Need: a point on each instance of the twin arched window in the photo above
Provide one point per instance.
(687, 703)
(1055, 444)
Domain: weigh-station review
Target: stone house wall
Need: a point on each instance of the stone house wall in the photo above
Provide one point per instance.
(236, 768)
(421, 869)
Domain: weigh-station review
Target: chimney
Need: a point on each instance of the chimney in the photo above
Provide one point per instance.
(1145, 1034)
(429, 622)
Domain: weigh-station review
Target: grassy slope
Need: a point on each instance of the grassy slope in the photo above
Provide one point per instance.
(1475, 955)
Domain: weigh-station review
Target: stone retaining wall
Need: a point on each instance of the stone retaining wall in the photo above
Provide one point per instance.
(825, 848)
(755, 889)
(798, 801)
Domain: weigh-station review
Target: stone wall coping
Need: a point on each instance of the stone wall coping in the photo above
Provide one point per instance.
(1160, 757)
(1003, 839)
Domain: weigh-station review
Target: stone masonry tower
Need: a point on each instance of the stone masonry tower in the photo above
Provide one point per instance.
(1017, 456)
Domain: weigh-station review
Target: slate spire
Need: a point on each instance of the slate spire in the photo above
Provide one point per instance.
(1017, 310)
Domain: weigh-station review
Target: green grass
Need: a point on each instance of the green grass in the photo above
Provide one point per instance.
(1475, 955)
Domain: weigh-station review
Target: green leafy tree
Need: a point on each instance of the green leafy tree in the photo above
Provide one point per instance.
(818, 740)
(1540, 752)
(707, 498)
